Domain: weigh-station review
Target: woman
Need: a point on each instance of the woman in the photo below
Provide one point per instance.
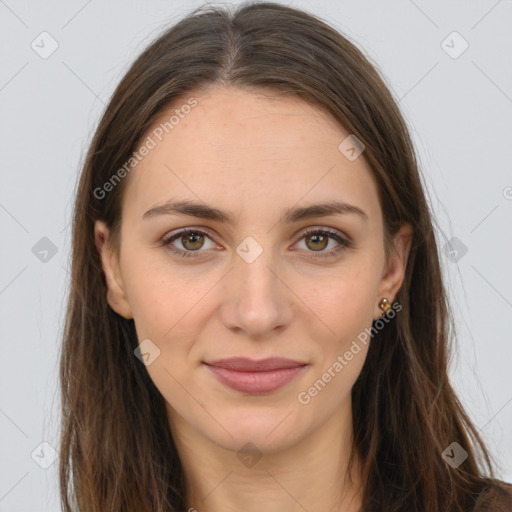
(257, 318)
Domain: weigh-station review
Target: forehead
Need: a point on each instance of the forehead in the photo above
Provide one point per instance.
(256, 147)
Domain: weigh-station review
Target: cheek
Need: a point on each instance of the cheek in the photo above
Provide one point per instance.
(345, 301)
(162, 296)
(345, 304)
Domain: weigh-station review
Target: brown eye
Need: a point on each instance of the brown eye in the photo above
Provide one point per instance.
(317, 242)
(192, 241)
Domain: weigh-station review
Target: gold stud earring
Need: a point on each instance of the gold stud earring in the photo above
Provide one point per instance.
(384, 305)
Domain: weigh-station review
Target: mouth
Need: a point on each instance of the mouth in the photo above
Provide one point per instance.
(255, 377)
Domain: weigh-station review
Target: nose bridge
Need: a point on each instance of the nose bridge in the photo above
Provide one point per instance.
(256, 300)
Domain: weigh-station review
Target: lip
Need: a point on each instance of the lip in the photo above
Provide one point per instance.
(255, 377)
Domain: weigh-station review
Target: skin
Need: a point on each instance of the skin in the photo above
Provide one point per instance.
(254, 153)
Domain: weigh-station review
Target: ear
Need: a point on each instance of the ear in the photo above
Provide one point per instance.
(116, 295)
(394, 273)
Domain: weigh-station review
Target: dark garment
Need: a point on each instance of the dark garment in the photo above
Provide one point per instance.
(495, 497)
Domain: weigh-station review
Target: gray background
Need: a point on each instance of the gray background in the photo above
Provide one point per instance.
(460, 114)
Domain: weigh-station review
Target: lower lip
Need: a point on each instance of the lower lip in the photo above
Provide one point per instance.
(255, 382)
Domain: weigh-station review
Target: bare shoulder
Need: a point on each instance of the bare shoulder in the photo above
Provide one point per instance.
(495, 497)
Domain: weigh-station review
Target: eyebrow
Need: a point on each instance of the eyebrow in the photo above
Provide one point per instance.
(291, 215)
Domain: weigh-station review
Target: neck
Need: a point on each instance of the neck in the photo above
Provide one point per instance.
(311, 475)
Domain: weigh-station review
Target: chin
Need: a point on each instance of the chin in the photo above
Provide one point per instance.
(275, 431)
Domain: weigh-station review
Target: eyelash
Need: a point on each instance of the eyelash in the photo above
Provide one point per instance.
(344, 244)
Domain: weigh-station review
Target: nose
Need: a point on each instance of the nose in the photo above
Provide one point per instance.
(256, 300)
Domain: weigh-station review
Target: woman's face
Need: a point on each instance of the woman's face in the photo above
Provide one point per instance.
(250, 282)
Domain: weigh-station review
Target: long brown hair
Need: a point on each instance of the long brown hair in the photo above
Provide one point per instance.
(117, 453)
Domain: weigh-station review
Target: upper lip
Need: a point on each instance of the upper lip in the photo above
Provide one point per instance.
(243, 364)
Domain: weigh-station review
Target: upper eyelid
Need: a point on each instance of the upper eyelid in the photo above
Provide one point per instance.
(177, 232)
